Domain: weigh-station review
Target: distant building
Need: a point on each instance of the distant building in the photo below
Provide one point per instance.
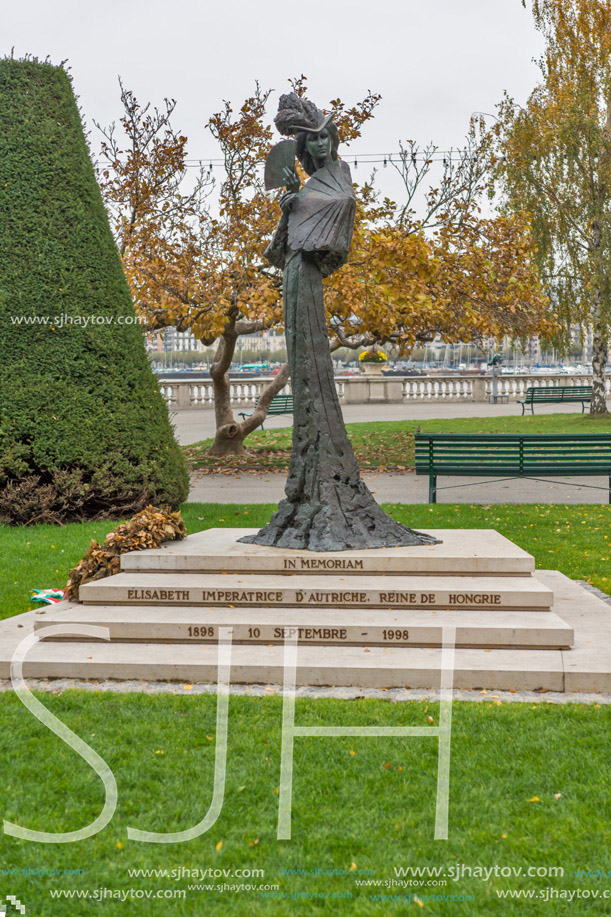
(264, 340)
(169, 340)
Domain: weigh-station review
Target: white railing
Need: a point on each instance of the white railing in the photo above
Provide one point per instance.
(438, 388)
(514, 387)
(182, 395)
(367, 389)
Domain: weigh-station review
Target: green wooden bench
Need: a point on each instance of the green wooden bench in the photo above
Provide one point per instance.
(556, 394)
(506, 455)
(282, 404)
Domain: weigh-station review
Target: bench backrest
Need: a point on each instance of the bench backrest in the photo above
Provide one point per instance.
(513, 452)
(282, 403)
(559, 392)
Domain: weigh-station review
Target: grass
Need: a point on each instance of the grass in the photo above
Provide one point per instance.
(374, 806)
(572, 539)
(374, 798)
(386, 445)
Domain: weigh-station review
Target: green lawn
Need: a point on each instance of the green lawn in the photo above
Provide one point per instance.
(573, 539)
(374, 798)
(387, 445)
(374, 804)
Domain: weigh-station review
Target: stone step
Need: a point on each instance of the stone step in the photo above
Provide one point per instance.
(379, 667)
(307, 591)
(586, 667)
(329, 626)
(468, 552)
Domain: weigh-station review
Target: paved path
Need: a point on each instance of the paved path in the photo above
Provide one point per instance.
(195, 425)
(403, 488)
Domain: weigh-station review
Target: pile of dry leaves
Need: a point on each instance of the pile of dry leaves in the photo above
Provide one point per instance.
(147, 529)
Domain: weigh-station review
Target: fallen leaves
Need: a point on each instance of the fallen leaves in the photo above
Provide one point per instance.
(270, 452)
(147, 529)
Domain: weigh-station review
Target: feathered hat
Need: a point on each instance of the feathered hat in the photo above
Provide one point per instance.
(296, 114)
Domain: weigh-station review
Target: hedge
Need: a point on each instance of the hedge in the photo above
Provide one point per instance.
(84, 430)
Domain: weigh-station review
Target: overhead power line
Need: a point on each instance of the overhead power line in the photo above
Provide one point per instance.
(446, 157)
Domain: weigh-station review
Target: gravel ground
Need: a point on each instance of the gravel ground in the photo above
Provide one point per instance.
(393, 695)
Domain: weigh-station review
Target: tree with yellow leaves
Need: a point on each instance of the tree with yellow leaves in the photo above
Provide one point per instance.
(554, 162)
(200, 267)
(194, 255)
(442, 272)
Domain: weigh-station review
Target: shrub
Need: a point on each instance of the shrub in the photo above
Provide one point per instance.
(84, 430)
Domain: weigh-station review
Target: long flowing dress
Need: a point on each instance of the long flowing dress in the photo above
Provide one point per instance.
(327, 505)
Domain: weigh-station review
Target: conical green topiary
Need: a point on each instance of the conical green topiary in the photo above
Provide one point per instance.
(84, 430)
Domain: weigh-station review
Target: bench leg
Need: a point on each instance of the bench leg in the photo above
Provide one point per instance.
(610, 490)
(432, 488)
(523, 406)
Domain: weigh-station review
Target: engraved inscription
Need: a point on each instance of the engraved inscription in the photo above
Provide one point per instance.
(201, 631)
(431, 598)
(398, 598)
(332, 598)
(395, 634)
(474, 598)
(311, 633)
(322, 563)
(305, 597)
(159, 595)
(236, 595)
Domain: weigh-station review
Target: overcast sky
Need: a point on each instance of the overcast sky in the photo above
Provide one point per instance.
(433, 61)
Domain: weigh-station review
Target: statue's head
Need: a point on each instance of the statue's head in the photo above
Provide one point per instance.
(316, 135)
(314, 148)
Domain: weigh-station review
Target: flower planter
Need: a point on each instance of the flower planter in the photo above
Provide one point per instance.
(371, 369)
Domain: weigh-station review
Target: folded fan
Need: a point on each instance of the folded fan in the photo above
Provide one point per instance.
(281, 156)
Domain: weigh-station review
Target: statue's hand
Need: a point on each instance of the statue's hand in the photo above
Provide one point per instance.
(291, 179)
(286, 200)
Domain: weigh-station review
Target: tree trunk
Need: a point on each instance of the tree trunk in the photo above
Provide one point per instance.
(600, 322)
(230, 434)
(599, 367)
(228, 439)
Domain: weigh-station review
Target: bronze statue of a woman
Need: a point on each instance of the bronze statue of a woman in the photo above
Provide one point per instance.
(327, 505)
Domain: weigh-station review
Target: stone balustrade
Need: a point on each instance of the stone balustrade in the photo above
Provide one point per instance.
(370, 389)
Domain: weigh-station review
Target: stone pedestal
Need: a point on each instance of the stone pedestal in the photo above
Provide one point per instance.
(373, 618)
